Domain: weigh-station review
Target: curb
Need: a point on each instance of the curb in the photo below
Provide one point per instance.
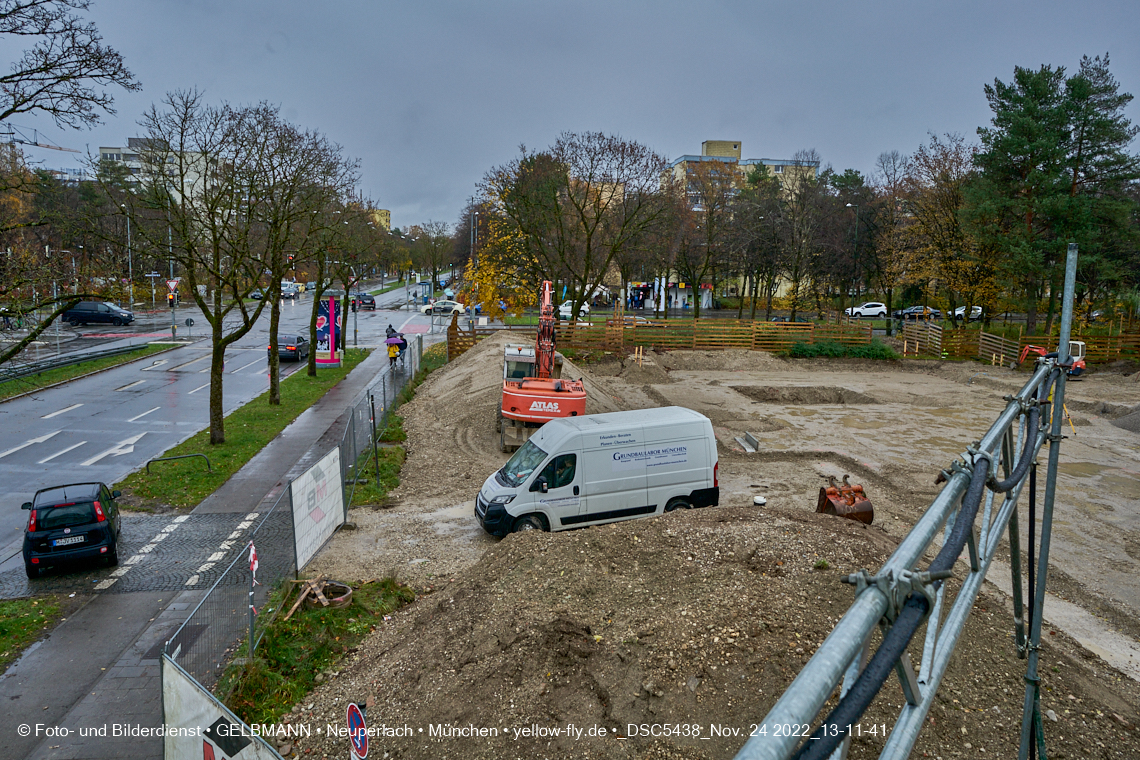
(96, 372)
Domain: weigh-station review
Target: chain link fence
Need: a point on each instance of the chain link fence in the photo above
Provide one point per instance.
(218, 629)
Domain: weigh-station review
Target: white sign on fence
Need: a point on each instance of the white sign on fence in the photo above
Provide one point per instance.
(199, 727)
(318, 506)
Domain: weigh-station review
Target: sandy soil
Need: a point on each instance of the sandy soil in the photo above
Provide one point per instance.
(612, 625)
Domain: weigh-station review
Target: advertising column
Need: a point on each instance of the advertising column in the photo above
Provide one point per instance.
(328, 330)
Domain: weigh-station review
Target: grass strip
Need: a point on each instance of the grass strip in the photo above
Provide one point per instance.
(295, 654)
(387, 288)
(185, 482)
(375, 491)
(19, 385)
(23, 622)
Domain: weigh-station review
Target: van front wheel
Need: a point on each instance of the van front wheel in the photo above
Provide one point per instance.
(678, 503)
(528, 522)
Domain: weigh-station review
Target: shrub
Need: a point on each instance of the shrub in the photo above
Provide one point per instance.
(832, 350)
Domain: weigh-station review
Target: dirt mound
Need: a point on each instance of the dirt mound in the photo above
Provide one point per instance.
(803, 395)
(1129, 422)
(698, 617)
(719, 361)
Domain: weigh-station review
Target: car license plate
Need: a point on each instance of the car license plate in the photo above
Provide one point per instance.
(68, 540)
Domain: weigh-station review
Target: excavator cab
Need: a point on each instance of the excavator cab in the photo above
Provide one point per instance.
(519, 363)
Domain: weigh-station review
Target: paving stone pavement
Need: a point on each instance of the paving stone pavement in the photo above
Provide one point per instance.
(160, 554)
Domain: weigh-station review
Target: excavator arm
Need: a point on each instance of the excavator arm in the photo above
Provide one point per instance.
(544, 346)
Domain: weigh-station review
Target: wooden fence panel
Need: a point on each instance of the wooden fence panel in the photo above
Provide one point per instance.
(996, 349)
(922, 339)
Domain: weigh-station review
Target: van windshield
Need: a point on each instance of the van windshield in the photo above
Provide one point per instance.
(519, 467)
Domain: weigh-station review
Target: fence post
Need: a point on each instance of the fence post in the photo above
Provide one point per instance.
(375, 450)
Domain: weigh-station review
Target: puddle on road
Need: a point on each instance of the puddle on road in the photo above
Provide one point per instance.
(1081, 469)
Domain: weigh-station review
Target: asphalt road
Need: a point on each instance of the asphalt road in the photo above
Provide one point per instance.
(103, 427)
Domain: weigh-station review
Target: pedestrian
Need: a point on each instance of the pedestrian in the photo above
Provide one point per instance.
(393, 354)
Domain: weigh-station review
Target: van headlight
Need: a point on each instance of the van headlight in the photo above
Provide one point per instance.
(504, 499)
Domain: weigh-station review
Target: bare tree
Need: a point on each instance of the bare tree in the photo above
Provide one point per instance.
(68, 68)
(574, 207)
(703, 217)
(198, 179)
(802, 216)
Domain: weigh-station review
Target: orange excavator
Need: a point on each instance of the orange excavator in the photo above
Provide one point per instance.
(533, 389)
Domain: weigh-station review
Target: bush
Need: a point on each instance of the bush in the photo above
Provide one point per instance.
(831, 350)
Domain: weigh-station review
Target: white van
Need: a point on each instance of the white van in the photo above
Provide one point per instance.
(601, 468)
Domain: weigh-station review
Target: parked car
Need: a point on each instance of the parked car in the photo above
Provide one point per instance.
(789, 319)
(71, 524)
(364, 301)
(918, 312)
(870, 309)
(294, 347)
(97, 312)
(567, 306)
(444, 307)
(975, 313)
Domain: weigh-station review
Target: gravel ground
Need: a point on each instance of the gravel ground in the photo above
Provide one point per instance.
(704, 617)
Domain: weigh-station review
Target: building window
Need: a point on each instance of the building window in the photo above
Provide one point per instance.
(778, 169)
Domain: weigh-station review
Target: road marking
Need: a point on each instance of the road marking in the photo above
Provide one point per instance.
(60, 453)
(205, 567)
(232, 536)
(182, 519)
(139, 416)
(239, 369)
(192, 580)
(134, 560)
(159, 537)
(61, 411)
(200, 387)
(32, 442)
(216, 557)
(120, 572)
(187, 364)
(244, 525)
(147, 549)
(106, 584)
(130, 385)
(123, 447)
(156, 365)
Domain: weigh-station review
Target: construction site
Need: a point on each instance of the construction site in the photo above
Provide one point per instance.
(705, 616)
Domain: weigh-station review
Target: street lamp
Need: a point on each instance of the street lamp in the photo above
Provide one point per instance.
(855, 257)
(130, 262)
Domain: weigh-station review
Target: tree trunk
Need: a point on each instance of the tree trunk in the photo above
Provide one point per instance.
(890, 315)
(1054, 286)
(1031, 311)
(744, 284)
(217, 365)
(274, 357)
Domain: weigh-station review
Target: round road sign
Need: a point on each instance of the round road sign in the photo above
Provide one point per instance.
(357, 731)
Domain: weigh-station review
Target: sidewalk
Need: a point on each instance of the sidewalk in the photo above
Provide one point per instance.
(129, 691)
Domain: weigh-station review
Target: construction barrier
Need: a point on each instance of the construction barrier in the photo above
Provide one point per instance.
(705, 334)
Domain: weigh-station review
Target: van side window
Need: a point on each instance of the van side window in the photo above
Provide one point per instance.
(560, 472)
(104, 307)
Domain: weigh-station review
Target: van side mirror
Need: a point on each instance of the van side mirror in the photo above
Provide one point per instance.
(541, 485)
(26, 505)
(116, 494)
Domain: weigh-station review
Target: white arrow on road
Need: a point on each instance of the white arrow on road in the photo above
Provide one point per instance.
(41, 439)
(123, 447)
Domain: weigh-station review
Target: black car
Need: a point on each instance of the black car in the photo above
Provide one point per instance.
(70, 524)
(918, 312)
(294, 347)
(364, 301)
(256, 294)
(96, 312)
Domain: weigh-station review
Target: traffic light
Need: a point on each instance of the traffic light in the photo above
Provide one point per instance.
(170, 300)
(290, 261)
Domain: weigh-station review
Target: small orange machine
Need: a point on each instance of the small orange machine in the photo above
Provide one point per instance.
(533, 393)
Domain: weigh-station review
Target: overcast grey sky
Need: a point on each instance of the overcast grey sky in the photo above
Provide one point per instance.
(430, 95)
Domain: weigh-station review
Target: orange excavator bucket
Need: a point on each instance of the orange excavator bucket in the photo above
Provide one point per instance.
(845, 500)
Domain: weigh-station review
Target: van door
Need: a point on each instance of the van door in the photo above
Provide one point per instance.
(562, 501)
(615, 486)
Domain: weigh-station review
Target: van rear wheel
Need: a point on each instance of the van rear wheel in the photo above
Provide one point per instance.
(677, 503)
(528, 522)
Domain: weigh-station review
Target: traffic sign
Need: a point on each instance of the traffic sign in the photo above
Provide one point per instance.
(357, 731)
(172, 284)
